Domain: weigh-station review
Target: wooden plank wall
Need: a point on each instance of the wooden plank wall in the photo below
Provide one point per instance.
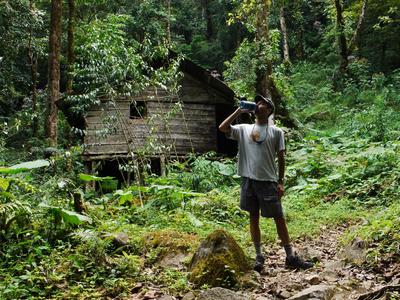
(110, 130)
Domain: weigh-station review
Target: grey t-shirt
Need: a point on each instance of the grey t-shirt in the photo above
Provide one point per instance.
(257, 160)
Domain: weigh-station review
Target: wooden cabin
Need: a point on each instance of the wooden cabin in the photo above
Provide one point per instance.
(159, 124)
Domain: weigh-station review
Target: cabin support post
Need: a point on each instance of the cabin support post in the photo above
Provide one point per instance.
(128, 177)
(162, 166)
(89, 167)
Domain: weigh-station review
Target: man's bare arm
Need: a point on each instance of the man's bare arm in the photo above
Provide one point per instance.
(281, 165)
(225, 126)
(281, 174)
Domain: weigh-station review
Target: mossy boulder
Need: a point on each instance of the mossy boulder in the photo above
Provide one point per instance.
(218, 261)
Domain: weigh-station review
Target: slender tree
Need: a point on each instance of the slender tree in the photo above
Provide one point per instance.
(299, 32)
(54, 72)
(265, 84)
(70, 47)
(354, 40)
(346, 48)
(341, 37)
(208, 18)
(32, 57)
(286, 57)
(168, 7)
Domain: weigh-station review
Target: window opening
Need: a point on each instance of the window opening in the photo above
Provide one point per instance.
(138, 110)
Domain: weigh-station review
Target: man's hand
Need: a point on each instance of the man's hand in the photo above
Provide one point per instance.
(281, 190)
(225, 126)
(243, 111)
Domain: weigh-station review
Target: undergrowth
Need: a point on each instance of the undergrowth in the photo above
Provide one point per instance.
(342, 165)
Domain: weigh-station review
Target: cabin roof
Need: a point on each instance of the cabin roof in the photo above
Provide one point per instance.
(206, 77)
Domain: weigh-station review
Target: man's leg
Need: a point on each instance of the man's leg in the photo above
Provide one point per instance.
(255, 231)
(256, 238)
(283, 234)
(292, 260)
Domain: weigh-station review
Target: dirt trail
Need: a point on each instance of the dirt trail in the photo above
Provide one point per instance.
(333, 275)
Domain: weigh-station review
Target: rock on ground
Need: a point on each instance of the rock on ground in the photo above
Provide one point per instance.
(317, 292)
(219, 293)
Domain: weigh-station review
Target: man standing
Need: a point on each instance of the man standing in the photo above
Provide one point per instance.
(261, 188)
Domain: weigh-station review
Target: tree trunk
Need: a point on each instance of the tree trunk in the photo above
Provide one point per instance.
(78, 202)
(286, 58)
(168, 4)
(263, 86)
(264, 83)
(54, 72)
(342, 38)
(298, 21)
(354, 40)
(208, 17)
(32, 56)
(70, 47)
(299, 44)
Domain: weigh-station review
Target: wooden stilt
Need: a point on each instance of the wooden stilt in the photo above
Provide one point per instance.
(162, 165)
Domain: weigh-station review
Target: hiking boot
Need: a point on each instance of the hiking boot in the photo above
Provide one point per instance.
(259, 264)
(296, 262)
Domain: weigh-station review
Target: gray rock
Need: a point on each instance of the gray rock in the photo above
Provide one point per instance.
(367, 285)
(284, 294)
(221, 293)
(166, 297)
(313, 254)
(259, 297)
(332, 267)
(316, 292)
(119, 239)
(356, 252)
(173, 260)
(396, 281)
(189, 296)
(250, 280)
(313, 279)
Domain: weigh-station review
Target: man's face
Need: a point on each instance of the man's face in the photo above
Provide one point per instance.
(263, 109)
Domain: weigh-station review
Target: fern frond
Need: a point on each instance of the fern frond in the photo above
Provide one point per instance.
(84, 235)
(14, 208)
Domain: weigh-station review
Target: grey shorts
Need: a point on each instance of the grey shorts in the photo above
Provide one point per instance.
(261, 196)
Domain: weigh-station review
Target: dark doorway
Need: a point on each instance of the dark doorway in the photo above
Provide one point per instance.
(224, 145)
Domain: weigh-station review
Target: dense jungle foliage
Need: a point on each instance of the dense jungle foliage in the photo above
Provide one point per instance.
(343, 147)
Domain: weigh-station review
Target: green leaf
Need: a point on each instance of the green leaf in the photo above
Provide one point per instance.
(4, 183)
(191, 194)
(227, 170)
(124, 196)
(7, 195)
(88, 177)
(25, 166)
(69, 217)
(335, 176)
